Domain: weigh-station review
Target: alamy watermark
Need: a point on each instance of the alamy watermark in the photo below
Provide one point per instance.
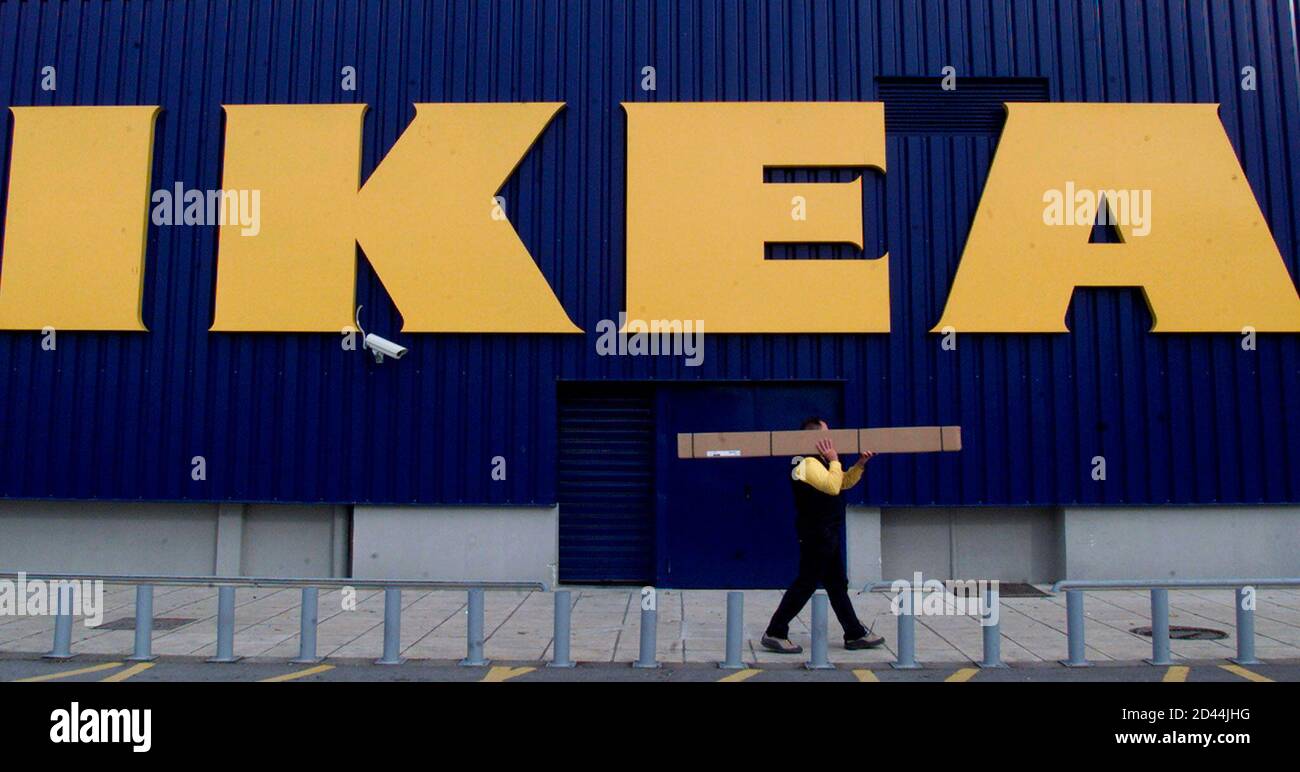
(130, 726)
(657, 337)
(1081, 206)
(208, 207)
(949, 597)
(39, 597)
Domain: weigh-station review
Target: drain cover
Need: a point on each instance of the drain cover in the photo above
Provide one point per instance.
(159, 623)
(1180, 633)
(1019, 590)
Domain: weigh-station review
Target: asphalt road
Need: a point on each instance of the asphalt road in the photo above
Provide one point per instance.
(82, 669)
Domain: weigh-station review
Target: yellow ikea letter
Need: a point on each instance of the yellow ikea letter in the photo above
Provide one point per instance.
(77, 218)
(426, 220)
(298, 274)
(699, 215)
(1201, 251)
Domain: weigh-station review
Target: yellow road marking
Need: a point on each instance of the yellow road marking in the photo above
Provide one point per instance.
(499, 673)
(122, 675)
(866, 676)
(741, 675)
(298, 674)
(1248, 674)
(1176, 674)
(70, 673)
(965, 674)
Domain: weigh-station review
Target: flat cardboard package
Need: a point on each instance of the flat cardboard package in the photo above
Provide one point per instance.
(890, 439)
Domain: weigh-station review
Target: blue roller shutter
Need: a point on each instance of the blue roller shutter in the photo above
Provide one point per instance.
(606, 483)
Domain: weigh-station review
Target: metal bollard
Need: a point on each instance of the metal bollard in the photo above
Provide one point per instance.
(649, 621)
(1159, 627)
(992, 632)
(474, 630)
(563, 615)
(817, 659)
(735, 631)
(307, 620)
(62, 624)
(143, 625)
(225, 625)
(906, 659)
(1074, 629)
(392, 627)
(1245, 596)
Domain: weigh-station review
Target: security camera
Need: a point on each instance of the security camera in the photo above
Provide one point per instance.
(383, 347)
(380, 347)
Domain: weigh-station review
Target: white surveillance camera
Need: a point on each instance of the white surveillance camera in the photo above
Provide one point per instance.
(380, 347)
(383, 347)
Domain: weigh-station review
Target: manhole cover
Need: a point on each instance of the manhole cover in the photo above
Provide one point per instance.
(1019, 590)
(1180, 633)
(159, 623)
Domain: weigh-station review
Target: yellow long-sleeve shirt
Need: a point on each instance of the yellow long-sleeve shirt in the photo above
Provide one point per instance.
(832, 481)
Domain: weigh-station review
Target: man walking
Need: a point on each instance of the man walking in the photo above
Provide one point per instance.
(819, 522)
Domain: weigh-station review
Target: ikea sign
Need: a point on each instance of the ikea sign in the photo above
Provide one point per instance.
(698, 216)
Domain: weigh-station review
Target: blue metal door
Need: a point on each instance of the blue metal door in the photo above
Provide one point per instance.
(729, 523)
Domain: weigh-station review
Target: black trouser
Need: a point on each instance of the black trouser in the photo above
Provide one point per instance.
(820, 560)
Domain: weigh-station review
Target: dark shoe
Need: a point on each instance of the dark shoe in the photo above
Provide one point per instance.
(780, 645)
(867, 641)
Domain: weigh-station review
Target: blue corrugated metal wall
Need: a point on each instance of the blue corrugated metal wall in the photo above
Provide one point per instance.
(1179, 418)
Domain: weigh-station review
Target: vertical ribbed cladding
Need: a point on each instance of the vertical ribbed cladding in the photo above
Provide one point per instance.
(1180, 418)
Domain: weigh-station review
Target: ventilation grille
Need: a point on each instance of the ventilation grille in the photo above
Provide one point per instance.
(975, 106)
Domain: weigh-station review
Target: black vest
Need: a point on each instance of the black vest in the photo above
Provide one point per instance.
(815, 510)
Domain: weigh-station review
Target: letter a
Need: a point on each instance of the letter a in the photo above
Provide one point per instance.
(1208, 263)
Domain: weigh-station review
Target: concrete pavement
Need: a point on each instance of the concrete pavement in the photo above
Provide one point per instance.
(691, 626)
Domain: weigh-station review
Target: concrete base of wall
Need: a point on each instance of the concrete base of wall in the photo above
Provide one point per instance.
(452, 543)
(514, 543)
(1011, 545)
(108, 537)
(1181, 542)
(1044, 545)
(862, 545)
